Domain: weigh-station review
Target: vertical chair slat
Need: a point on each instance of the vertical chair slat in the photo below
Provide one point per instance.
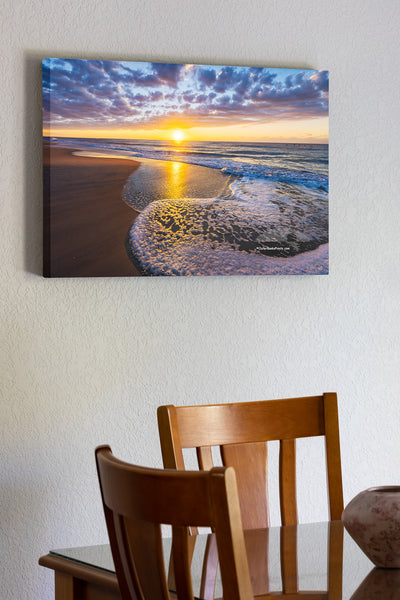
(171, 448)
(182, 556)
(230, 537)
(335, 560)
(143, 553)
(210, 568)
(250, 464)
(289, 567)
(287, 481)
(333, 460)
(257, 548)
(204, 458)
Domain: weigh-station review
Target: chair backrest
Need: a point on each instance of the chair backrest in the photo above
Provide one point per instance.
(137, 500)
(242, 431)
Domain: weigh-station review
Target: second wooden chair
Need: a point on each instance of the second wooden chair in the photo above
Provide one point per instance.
(137, 500)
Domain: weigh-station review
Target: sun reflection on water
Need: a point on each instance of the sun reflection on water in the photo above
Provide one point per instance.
(176, 178)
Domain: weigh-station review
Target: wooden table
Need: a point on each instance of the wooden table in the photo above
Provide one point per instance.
(312, 561)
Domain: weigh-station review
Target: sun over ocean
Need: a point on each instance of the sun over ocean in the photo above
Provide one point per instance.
(268, 212)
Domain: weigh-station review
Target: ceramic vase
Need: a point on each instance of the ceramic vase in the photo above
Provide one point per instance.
(372, 519)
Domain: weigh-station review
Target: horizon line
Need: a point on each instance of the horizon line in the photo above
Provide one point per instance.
(177, 144)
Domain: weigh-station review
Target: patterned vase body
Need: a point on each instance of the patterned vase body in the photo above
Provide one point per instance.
(372, 519)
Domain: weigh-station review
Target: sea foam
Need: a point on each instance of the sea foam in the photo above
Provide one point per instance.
(219, 237)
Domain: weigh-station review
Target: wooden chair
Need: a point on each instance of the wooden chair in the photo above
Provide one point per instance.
(242, 431)
(137, 500)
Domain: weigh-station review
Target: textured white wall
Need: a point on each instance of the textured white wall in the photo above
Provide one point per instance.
(88, 361)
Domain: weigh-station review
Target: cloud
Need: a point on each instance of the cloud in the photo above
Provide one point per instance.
(79, 93)
(168, 74)
(299, 95)
(321, 80)
(206, 76)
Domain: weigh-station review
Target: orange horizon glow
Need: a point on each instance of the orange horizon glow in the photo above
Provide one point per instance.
(300, 131)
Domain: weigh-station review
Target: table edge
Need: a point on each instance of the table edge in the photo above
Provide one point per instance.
(80, 571)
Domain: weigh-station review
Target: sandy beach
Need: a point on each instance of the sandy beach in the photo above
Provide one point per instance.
(175, 218)
(89, 221)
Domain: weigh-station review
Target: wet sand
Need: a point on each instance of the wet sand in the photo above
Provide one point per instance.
(86, 222)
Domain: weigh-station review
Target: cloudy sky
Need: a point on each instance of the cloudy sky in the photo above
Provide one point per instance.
(183, 102)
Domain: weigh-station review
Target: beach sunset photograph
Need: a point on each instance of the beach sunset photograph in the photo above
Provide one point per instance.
(181, 169)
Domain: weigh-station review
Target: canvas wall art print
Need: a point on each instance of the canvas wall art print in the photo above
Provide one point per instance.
(183, 169)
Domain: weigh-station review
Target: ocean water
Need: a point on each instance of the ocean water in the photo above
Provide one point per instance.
(270, 217)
